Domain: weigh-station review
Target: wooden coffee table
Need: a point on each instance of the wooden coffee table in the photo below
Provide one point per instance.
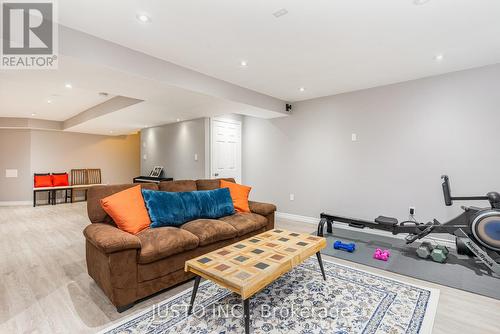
(248, 266)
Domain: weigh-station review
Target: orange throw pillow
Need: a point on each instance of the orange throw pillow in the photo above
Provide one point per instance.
(239, 194)
(128, 210)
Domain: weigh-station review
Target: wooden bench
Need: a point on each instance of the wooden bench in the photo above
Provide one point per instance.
(52, 191)
(81, 180)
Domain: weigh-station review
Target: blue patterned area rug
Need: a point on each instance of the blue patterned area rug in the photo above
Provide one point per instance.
(351, 301)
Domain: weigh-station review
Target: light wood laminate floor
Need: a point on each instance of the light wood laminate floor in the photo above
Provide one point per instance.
(44, 286)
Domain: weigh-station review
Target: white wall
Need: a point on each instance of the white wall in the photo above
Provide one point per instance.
(116, 156)
(36, 151)
(15, 154)
(173, 146)
(408, 135)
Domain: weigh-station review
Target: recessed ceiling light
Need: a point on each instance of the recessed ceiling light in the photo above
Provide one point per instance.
(302, 89)
(439, 57)
(280, 12)
(244, 63)
(68, 85)
(143, 18)
(49, 101)
(33, 114)
(178, 119)
(420, 2)
(111, 131)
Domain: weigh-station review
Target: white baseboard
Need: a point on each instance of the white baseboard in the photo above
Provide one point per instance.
(298, 218)
(43, 202)
(312, 220)
(15, 203)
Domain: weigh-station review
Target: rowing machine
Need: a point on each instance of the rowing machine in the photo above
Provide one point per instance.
(476, 230)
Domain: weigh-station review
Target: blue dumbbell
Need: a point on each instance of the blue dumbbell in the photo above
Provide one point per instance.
(351, 247)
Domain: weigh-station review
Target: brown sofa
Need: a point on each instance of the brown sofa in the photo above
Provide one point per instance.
(130, 267)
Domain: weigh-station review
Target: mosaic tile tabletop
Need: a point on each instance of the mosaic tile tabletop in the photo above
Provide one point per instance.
(247, 266)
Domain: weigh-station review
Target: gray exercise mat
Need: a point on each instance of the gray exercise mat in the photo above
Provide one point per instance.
(459, 271)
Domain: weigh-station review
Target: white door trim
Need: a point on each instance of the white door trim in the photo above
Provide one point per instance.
(227, 120)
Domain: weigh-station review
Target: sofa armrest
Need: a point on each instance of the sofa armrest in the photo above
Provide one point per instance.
(110, 239)
(263, 209)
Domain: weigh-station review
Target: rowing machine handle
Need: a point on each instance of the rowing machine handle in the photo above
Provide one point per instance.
(446, 190)
(419, 235)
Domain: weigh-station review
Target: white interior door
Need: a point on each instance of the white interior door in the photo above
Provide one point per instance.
(225, 149)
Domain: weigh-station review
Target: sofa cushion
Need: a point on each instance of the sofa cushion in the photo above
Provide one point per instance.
(211, 184)
(174, 209)
(209, 231)
(245, 222)
(178, 185)
(157, 243)
(175, 263)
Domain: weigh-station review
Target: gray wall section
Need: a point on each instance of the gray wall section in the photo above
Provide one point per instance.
(32, 151)
(15, 146)
(173, 146)
(117, 156)
(408, 135)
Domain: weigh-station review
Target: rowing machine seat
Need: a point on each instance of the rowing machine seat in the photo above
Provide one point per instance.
(387, 221)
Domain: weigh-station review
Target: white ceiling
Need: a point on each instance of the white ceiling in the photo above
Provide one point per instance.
(152, 113)
(25, 92)
(326, 46)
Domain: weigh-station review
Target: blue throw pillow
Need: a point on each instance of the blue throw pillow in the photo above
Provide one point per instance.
(176, 208)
